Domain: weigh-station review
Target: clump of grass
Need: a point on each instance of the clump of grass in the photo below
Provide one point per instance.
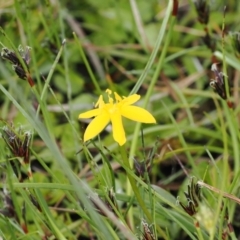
(176, 177)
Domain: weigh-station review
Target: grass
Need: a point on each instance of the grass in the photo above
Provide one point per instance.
(176, 179)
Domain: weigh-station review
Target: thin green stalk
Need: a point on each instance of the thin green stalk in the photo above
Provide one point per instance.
(67, 70)
(10, 181)
(234, 138)
(180, 135)
(148, 182)
(224, 171)
(154, 79)
(10, 230)
(114, 235)
(49, 77)
(199, 232)
(90, 72)
(233, 236)
(31, 39)
(48, 215)
(156, 49)
(136, 191)
(132, 181)
(224, 57)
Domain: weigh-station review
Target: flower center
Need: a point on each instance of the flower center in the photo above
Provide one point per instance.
(111, 108)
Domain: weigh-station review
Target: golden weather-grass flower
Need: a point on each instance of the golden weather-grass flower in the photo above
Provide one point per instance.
(112, 111)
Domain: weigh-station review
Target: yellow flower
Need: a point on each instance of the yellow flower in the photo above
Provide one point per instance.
(116, 108)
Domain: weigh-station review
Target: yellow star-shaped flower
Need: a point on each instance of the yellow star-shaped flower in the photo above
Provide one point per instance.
(113, 111)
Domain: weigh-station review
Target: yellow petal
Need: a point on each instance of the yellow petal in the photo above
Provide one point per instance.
(109, 91)
(117, 97)
(137, 114)
(131, 99)
(96, 126)
(118, 130)
(90, 114)
(100, 102)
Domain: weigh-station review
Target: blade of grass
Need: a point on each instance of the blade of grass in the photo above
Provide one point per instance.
(90, 72)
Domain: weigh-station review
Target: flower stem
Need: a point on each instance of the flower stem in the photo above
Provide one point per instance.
(133, 187)
(133, 183)
(154, 78)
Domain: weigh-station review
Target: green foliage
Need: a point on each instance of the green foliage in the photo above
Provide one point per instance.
(186, 182)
